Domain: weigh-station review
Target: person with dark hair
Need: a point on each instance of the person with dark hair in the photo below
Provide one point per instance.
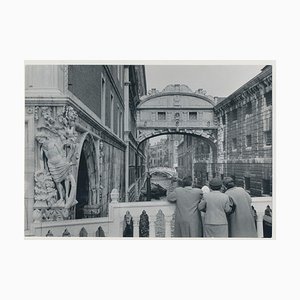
(188, 222)
(216, 205)
(241, 222)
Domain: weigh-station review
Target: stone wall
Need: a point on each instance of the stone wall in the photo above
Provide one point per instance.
(84, 81)
(244, 149)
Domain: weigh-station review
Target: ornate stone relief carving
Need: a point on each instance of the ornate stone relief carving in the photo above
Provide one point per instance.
(128, 225)
(173, 225)
(144, 225)
(55, 185)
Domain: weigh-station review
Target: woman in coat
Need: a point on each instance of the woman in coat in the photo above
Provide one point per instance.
(241, 221)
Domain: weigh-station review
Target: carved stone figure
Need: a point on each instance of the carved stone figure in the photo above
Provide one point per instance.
(59, 167)
(57, 137)
(128, 225)
(144, 225)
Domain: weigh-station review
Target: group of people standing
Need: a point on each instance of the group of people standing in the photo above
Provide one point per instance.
(220, 210)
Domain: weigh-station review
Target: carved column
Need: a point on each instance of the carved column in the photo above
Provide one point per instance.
(260, 231)
(136, 227)
(152, 226)
(168, 220)
(126, 128)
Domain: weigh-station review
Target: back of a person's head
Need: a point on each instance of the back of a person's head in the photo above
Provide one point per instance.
(187, 181)
(228, 182)
(215, 184)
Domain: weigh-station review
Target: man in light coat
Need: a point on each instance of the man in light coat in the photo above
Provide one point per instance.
(241, 221)
(188, 221)
(216, 205)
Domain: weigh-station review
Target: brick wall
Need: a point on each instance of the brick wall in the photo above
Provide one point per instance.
(84, 81)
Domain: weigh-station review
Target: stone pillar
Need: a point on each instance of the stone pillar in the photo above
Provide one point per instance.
(136, 227)
(126, 128)
(168, 220)
(152, 226)
(260, 231)
(114, 196)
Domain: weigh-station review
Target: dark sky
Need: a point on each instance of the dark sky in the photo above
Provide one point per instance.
(217, 80)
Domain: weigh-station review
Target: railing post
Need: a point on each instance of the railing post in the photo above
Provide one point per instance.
(152, 226)
(136, 227)
(168, 220)
(260, 231)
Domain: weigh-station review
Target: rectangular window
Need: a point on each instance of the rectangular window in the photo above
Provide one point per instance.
(111, 112)
(266, 187)
(224, 145)
(118, 121)
(268, 138)
(192, 115)
(121, 125)
(268, 97)
(248, 141)
(234, 144)
(103, 87)
(247, 183)
(234, 115)
(161, 116)
(121, 75)
(249, 108)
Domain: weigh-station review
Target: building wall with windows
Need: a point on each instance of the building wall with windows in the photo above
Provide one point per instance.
(79, 113)
(195, 159)
(245, 134)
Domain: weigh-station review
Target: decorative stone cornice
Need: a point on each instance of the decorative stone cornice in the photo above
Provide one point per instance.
(258, 84)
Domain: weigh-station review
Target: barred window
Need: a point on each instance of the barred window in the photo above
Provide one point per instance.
(268, 138)
(234, 115)
(266, 187)
(234, 144)
(161, 116)
(248, 140)
(192, 115)
(268, 97)
(249, 108)
(247, 183)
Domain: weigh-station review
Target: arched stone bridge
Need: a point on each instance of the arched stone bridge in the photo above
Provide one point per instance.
(163, 170)
(177, 110)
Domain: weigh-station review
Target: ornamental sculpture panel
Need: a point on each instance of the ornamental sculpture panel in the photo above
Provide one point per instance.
(144, 225)
(55, 186)
(128, 225)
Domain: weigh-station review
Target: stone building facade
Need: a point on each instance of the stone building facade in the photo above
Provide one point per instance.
(195, 158)
(245, 134)
(79, 133)
(244, 140)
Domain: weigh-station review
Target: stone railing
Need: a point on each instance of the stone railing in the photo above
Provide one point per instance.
(159, 214)
(154, 219)
(90, 227)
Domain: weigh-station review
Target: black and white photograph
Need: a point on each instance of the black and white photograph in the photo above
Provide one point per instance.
(149, 151)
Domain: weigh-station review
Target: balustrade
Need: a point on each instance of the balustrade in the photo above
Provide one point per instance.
(153, 219)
